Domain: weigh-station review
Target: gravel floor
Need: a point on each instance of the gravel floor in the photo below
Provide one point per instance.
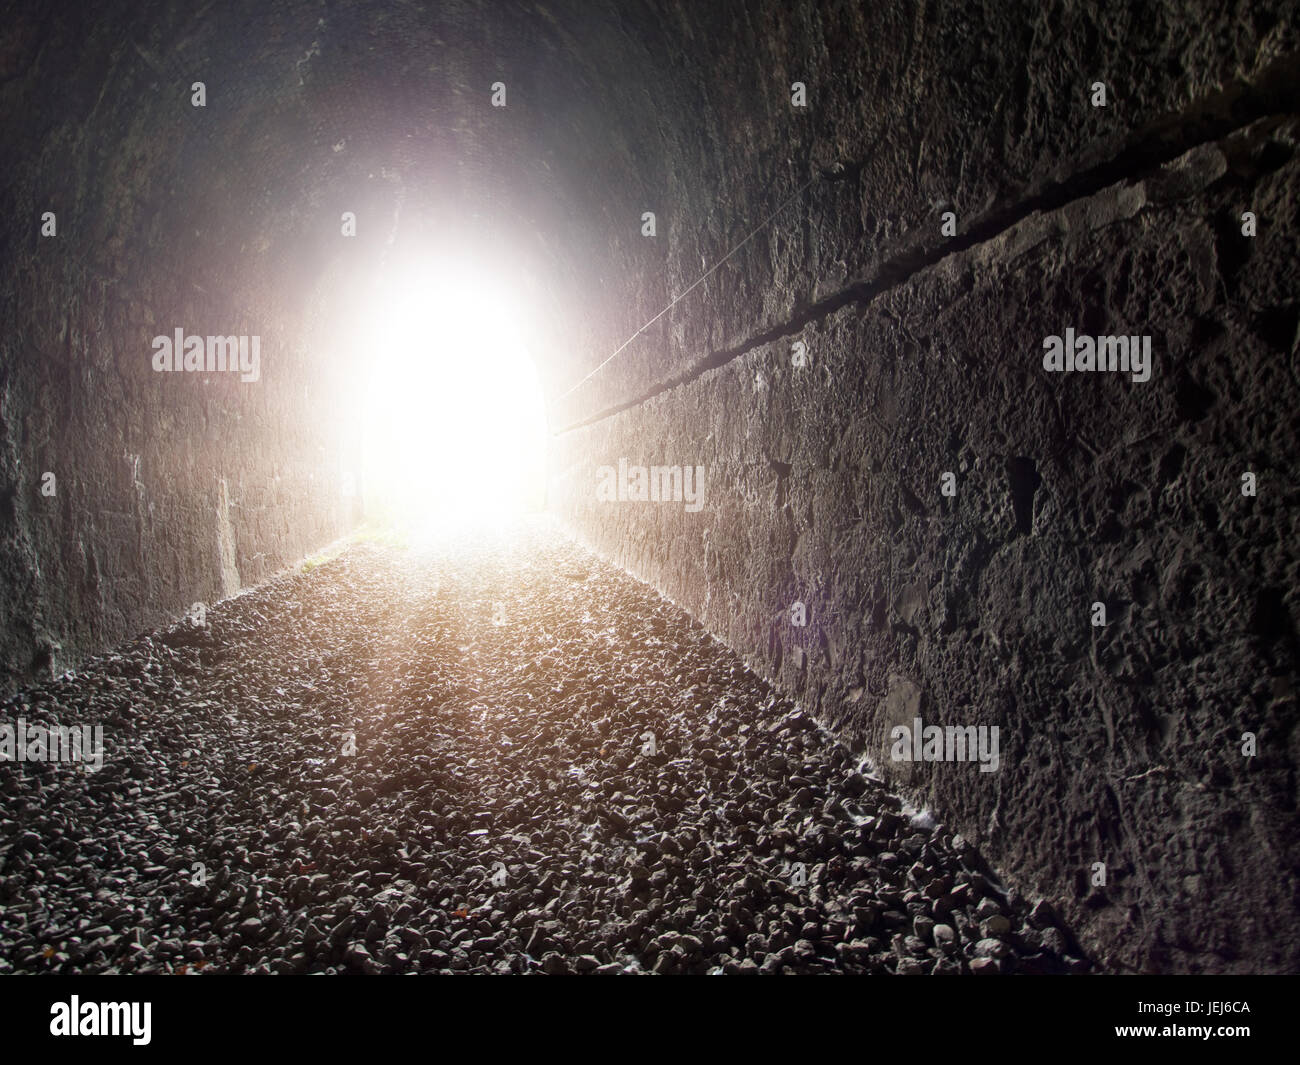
(555, 770)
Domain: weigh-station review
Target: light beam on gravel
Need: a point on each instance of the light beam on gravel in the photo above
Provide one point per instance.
(453, 426)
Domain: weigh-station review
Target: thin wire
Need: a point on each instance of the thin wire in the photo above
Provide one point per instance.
(698, 281)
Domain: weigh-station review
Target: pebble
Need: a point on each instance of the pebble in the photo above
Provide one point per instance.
(997, 925)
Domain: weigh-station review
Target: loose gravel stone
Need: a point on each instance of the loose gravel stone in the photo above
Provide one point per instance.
(467, 759)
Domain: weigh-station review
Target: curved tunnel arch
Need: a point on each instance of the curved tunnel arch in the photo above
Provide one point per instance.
(225, 219)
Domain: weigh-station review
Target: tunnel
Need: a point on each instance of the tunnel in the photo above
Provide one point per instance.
(660, 487)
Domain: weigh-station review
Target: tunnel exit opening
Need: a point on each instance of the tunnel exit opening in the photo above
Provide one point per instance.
(451, 426)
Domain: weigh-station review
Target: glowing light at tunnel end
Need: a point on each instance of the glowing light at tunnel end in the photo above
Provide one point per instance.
(452, 425)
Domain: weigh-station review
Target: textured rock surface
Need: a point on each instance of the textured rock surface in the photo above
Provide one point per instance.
(1121, 745)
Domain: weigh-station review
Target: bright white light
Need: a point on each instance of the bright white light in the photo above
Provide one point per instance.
(453, 423)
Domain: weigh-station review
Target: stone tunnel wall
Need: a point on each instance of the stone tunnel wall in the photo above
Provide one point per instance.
(1120, 744)
(168, 488)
